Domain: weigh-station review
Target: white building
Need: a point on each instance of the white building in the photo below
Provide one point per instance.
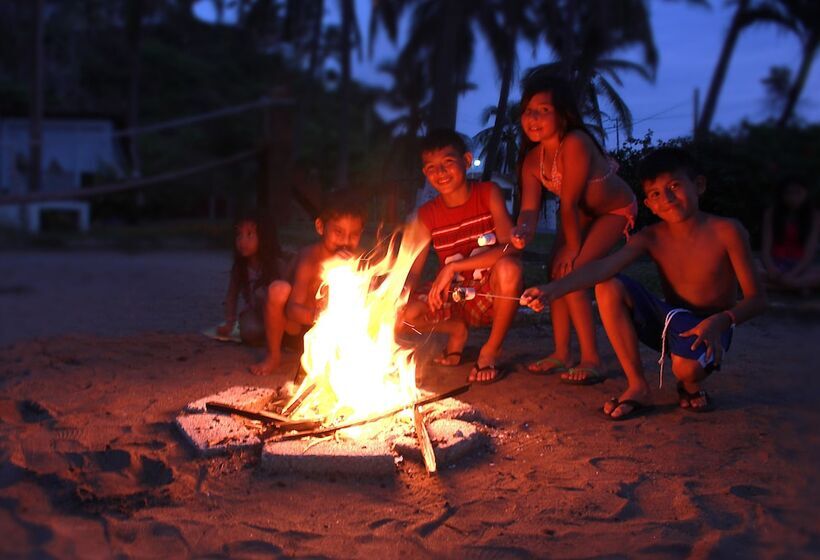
(75, 150)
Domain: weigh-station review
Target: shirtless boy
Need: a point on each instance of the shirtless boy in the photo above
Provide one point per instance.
(701, 259)
(290, 309)
(469, 228)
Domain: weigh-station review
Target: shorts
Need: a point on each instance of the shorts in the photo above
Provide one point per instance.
(477, 312)
(649, 315)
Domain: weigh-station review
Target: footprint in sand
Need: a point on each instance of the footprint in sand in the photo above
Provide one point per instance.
(111, 459)
(241, 548)
(33, 412)
(748, 491)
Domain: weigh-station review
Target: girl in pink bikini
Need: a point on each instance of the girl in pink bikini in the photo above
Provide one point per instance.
(596, 208)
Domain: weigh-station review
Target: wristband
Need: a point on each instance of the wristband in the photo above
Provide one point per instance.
(731, 317)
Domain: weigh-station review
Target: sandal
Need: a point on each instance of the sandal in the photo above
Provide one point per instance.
(440, 360)
(555, 366)
(638, 409)
(499, 374)
(684, 395)
(592, 376)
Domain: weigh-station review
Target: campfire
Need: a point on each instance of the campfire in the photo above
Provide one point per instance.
(355, 372)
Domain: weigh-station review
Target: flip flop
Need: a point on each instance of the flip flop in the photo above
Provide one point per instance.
(536, 368)
(499, 374)
(638, 409)
(445, 356)
(592, 376)
(683, 394)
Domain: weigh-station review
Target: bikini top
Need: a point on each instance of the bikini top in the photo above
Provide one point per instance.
(553, 182)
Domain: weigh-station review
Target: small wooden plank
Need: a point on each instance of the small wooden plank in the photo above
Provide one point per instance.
(425, 444)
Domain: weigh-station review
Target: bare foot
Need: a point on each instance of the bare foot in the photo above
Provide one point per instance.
(484, 370)
(614, 409)
(266, 366)
(455, 346)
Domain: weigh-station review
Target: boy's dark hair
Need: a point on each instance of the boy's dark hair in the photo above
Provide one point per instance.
(667, 160)
(440, 138)
(343, 203)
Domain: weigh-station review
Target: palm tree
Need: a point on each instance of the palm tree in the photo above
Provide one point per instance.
(348, 39)
(441, 31)
(505, 153)
(804, 16)
(517, 21)
(747, 13)
(584, 37)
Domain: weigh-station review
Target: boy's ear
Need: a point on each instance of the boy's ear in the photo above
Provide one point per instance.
(320, 226)
(700, 183)
(468, 159)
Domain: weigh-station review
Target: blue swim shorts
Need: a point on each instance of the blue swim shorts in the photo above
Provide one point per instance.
(649, 314)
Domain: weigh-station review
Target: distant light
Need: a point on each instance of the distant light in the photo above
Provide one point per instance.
(476, 162)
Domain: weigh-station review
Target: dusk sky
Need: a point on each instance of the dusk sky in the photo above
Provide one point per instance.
(688, 40)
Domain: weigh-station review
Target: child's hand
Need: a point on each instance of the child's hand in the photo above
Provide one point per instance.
(441, 287)
(564, 261)
(536, 298)
(708, 332)
(224, 330)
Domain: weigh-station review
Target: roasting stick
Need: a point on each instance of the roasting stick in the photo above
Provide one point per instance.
(462, 297)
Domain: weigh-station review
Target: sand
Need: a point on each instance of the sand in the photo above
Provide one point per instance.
(100, 351)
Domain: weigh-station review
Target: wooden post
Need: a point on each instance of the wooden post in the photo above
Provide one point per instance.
(273, 188)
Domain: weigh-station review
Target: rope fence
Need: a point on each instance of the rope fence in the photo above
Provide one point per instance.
(143, 182)
(129, 185)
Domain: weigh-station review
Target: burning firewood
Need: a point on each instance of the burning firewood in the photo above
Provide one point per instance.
(332, 429)
(279, 422)
(425, 445)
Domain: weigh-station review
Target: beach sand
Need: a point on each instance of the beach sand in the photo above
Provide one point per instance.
(100, 351)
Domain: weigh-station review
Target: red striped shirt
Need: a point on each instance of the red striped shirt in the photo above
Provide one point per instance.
(455, 231)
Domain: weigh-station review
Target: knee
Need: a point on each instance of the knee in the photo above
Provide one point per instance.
(278, 292)
(610, 292)
(507, 272)
(687, 370)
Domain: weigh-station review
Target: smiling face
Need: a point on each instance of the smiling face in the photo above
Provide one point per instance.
(539, 119)
(340, 233)
(247, 239)
(673, 197)
(446, 169)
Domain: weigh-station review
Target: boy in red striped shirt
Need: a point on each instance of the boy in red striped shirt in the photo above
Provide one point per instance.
(469, 229)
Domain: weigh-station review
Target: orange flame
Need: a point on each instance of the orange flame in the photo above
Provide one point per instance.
(351, 355)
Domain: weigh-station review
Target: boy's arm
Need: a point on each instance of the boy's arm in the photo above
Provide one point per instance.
(588, 275)
(414, 276)
(736, 240)
(503, 233)
(301, 305)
